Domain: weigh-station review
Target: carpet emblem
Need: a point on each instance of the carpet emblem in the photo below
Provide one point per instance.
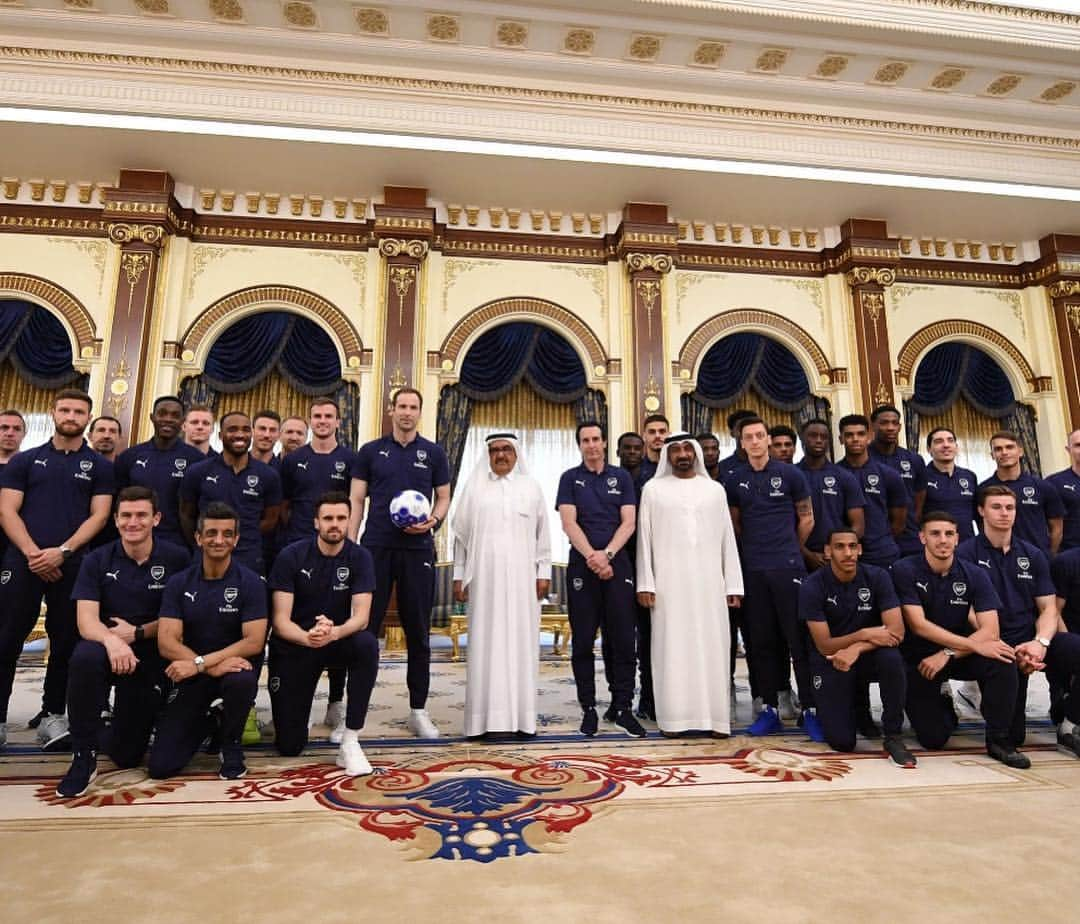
(786, 766)
(122, 787)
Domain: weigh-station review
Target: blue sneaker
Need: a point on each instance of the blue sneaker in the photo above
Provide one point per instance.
(812, 726)
(766, 723)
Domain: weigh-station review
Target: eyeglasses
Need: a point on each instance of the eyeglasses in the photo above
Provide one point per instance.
(496, 450)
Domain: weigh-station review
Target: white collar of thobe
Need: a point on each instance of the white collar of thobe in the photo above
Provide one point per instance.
(509, 476)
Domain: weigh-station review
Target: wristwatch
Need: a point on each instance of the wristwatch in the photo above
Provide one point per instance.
(199, 662)
(610, 554)
(140, 633)
(948, 652)
(1045, 642)
(66, 552)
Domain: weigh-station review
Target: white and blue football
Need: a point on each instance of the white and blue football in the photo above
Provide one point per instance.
(409, 508)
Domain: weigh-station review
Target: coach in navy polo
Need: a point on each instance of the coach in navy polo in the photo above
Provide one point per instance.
(948, 486)
(322, 599)
(596, 503)
(54, 500)
(1067, 482)
(886, 501)
(1039, 511)
(400, 460)
(1028, 618)
(160, 464)
(773, 515)
(855, 625)
(835, 493)
(886, 449)
(235, 478)
(938, 593)
(211, 630)
(118, 595)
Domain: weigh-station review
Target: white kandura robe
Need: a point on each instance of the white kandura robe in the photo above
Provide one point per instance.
(686, 555)
(508, 550)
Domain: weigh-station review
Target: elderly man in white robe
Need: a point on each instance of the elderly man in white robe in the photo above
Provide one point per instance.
(502, 569)
(688, 574)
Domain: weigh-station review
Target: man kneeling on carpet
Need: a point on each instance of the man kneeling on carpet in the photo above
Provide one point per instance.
(212, 629)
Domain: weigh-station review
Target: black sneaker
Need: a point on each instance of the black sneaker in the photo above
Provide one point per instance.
(646, 710)
(868, 728)
(609, 714)
(1007, 754)
(898, 752)
(232, 764)
(1069, 742)
(80, 775)
(589, 722)
(626, 721)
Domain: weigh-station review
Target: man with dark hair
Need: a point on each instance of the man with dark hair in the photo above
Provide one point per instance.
(782, 443)
(12, 433)
(835, 493)
(265, 430)
(855, 624)
(294, 434)
(246, 485)
(1039, 511)
(197, 426)
(1028, 617)
(1064, 686)
(949, 487)
(738, 457)
(104, 436)
(772, 514)
(654, 429)
(54, 500)
(596, 503)
(710, 451)
(1067, 483)
(118, 595)
(631, 450)
(951, 612)
(909, 465)
(160, 464)
(322, 588)
(211, 630)
(403, 460)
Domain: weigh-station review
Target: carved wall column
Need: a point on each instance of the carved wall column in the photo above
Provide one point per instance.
(868, 284)
(140, 216)
(1065, 297)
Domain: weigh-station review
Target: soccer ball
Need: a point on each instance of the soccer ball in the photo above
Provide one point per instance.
(409, 508)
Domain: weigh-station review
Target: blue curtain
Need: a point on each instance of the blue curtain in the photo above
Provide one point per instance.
(37, 345)
(739, 362)
(501, 357)
(13, 318)
(953, 369)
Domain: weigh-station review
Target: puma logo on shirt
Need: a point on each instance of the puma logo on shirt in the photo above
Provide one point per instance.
(115, 575)
(190, 595)
(923, 587)
(306, 572)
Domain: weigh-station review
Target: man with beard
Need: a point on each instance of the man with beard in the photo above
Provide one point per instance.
(265, 430)
(54, 501)
(294, 433)
(782, 443)
(104, 436)
(160, 464)
(948, 486)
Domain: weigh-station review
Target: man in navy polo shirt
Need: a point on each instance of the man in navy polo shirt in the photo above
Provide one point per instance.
(211, 630)
(383, 468)
(948, 486)
(597, 506)
(1039, 511)
(1067, 482)
(782, 443)
(1065, 690)
(654, 429)
(1028, 618)
(734, 424)
(835, 494)
(886, 501)
(950, 609)
(54, 500)
(160, 464)
(197, 428)
(322, 599)
(631, 450)
(265, 430)
(12, 433)
(909, 465)
(710, 452)
(118, 594)
(248, 486)
(772, 514)
(855, 624)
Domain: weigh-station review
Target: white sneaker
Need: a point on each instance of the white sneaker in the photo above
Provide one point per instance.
(335, 715)
(52, 733)
(338, 732)
(351, 757)
(756, 706)
(786, 706)
(420, 724)
(968, 696)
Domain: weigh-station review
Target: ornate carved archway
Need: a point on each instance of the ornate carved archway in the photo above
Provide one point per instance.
(978, 335)
(60, 302)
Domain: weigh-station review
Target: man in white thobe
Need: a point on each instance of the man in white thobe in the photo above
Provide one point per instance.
(688, 574)
(502, 569)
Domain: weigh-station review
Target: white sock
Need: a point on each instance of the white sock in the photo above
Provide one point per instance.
(418, 711)
(351, 735)
(1066, 727)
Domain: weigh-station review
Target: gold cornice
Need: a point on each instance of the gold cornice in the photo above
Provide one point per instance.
(871, 275)
(123, 233)
(759, 264)
(528, 94)
(394, 247)
(1066, 288)
(995, 9)
(53, 224)
(658, 262)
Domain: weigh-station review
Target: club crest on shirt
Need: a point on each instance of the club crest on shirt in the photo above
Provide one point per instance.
(339, 471)
(864, 594)
(342, 574)
(5, 576)
(964, 482)
(830, 482)
(231, 593)
(1029, 495)
(252, 486)
(578, 583)
(85, 467)
(776, 482)
(959, 588)
(179, 464)
(612, 483)
(252, 480)
(157, 572)
(1024, 563)
(905, 465)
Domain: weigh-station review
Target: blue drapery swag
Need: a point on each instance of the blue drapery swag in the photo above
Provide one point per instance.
(37, 345)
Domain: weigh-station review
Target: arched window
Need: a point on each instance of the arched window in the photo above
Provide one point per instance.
(752, 371)
(277, 360)
(35, 362)
(963, 388)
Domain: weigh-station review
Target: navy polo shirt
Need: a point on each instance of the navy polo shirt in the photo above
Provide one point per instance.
(305, 476)
(645, 473)
(1065, 572)
(954, 494)
(730, 464)
(390, 468)
(57, 488)
(1036, 502)
(847, 606)
(1067, 483)
(599, 499)
(249, 492)
(946, 599)
(1019, 576)
(214, 611)
(3, 536)
(322, 583)
(834, 491)
(883, 490)
(912, 471)
(124, 587)
(162, 470)
(766, 502)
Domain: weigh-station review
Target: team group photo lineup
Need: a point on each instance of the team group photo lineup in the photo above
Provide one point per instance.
(175, 579)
